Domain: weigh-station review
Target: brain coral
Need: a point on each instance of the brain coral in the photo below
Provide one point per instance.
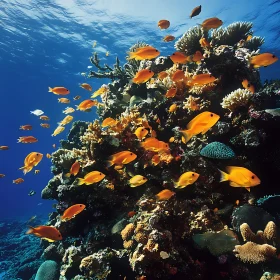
(48, 270)
(217, 150)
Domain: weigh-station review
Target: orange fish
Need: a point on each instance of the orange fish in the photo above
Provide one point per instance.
(248, 85)
(86, 86)
(163, 24)
(2, 175)
(240, 177)
(162, 75)
(86, 105)
(48, 156)
(195, 12)
(197, 57)
(153, 144)
(143, 76)
(211, 23)
(45, 125)
(58, 130)
(54, 146)
(91, 178)
(249, 37)
(121, 158)
(72, 211)
(164, 195)
(63, 100)
(200, 124)
(187, 178)
(68, 110)
(204, 43)
(4, 148)
(109, 122)
(171, 139)
(74, 170)
(178, 76)
(201, 80)
(59, 90)
(27, 139)
(137, 181)
(141, 132)
(263, 59)
(18, 181)
(168, 38)
(147, 52)
(155, 160)
(100, 91)
(31, 160)
(172, 108)
(44, 118)
(48, 233)
(178, 57)
(131, 214)
(26, 127)
(36, 171)
(171, 93)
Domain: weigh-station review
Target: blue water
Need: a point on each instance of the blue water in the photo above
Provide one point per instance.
(49, 44)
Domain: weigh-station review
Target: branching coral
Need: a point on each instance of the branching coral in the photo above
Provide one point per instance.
(189, 42)
(236, 99)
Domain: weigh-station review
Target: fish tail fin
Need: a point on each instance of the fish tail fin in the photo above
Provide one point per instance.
(25, 169)
(81, 181)
(224, 176)
(50, 89)
(30, 230)
(109, 163)
(186, 135)
(68, 175)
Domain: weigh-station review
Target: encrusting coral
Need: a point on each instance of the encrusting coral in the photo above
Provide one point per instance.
(150, 229)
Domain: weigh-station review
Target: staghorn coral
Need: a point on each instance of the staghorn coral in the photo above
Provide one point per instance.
(254, 253)
(236, 99)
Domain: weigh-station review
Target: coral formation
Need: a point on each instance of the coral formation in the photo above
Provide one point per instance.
(48, 270)
(151, 230)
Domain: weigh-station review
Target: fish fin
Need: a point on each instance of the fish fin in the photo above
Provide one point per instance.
(187, 135)
(81, 181)
(48, 239)
(68, 175)
(118, 167)
(205, 130)
(50, 89)
(30, 230)
(224, 176)
(132, 55)
(25, 169)
(109, 163)
(233, 184)
(248, 189)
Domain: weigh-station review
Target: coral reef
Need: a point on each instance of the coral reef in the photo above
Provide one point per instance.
(155, 230)
(48, 270)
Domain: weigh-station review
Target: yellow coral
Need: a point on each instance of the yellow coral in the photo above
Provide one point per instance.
(141, 238)
(127, 244)
(127, 232)
(270, 231)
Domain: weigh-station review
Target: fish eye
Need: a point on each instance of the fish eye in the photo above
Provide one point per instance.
(59, 235)
(253, 177)
(210, 76)
(249, 85)
(211, 115)
(37, 154)
(156, 50)
(150, 71)
(80, 205)
(100, 173)
(193, 174)
(142, 129)
(173, 54)
(273, 56)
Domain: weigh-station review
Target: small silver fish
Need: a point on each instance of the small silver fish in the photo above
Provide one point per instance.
(37, 112)
(274, 112)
